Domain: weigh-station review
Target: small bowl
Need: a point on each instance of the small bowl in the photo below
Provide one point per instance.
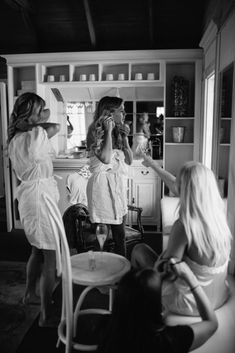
(150, 76)
(83, 77)
(138, 76)
(92, 77)
(121, 77)
(109, 77)
(50, 78)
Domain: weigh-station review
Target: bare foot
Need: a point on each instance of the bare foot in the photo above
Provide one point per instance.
(31, 300)
(103, 290)
(50, 322)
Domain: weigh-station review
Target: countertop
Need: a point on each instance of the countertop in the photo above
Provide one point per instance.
(64, 163)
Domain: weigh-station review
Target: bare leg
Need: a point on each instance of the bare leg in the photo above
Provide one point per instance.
(47, 285)
(143, 256)
(33, 270)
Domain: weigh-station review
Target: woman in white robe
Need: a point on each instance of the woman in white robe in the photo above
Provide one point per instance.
(31, 154)
(110, 155)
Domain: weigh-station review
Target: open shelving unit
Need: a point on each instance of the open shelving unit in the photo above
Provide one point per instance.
(182, 100)
(120, 71)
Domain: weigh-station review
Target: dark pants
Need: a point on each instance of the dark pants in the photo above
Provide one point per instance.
(118, 234)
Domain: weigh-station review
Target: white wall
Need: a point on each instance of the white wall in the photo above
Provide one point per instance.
(227, 36)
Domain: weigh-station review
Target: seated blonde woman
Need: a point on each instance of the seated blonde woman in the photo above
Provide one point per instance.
(200, 237)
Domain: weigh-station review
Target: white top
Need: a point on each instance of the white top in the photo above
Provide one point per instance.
(178, 298)
(76, 185)
(107, 189)
(31, 156)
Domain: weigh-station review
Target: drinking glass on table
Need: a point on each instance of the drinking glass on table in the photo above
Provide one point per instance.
(101, 234)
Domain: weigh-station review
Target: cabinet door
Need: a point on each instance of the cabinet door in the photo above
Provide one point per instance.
(146, 194)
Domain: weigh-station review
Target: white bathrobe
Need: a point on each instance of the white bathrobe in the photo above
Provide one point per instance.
(107, 189)
(31, 156)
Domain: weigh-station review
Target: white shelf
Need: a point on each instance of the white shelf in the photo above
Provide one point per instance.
(179, 144)
(179, 118)
(137, 83)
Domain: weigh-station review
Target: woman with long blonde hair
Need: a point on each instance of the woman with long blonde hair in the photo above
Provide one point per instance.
(31, 155)
(200, 237)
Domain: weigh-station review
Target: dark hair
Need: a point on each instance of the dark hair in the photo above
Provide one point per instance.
(95, 130)
(24, 107)
(137, 313)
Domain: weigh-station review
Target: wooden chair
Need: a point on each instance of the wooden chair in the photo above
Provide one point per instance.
(66, 328)
(80, 231)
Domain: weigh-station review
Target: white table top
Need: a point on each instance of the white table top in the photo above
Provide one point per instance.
(109, 269)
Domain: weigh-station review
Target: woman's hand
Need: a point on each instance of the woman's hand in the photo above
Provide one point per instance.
(40, 118)
(182, 270)
(107, 121)
(147, 159)
(124, 129)
(164, 267)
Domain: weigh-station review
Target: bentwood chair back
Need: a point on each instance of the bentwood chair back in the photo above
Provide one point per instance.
(81, 235)
(65, 328)
(80, 231)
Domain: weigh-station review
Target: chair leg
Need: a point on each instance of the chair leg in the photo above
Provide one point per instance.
(110, 299)
(58, 342)
(78, 306)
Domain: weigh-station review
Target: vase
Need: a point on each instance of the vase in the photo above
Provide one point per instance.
(178, 133)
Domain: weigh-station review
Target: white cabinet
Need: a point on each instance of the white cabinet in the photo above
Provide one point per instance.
(145, 192)
(144, 189)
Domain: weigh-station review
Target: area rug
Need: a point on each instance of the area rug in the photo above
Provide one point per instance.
(15, 318)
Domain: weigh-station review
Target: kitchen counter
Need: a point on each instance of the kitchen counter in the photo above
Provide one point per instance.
(69, 163)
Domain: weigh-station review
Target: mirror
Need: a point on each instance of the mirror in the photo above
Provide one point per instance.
(79, 117)
(79, 104)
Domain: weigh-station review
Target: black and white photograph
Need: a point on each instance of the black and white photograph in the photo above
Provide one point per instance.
(117, 176)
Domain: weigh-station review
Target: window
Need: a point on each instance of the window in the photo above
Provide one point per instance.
(79, 117)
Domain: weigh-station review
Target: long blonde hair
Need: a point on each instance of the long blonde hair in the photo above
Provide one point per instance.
(202, 211)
